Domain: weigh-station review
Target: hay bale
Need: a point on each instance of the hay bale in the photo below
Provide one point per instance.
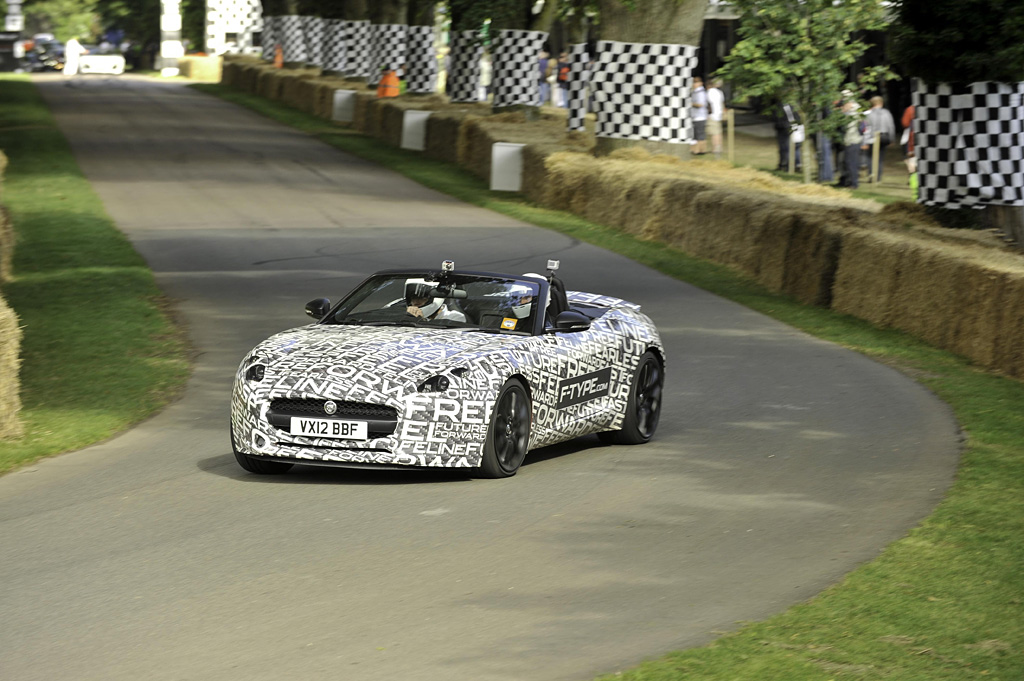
(7, 239)
(443, 135)
(206, 69)
(10, 397)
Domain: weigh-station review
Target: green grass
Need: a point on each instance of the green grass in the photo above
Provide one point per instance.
(942, 604)
(99, 352)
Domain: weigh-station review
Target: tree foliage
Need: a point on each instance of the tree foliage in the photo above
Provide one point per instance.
(961, 41)
(799, 51)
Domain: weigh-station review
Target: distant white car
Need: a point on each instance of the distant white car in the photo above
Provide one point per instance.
(95, 62)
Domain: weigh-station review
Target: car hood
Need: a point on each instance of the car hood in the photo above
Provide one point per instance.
(393, 356)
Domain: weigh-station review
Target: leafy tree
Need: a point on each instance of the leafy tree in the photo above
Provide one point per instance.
(961, 41)
(798, 52)
(65, 19)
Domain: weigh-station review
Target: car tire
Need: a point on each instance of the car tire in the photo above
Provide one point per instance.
(255, 464)
(643, 408)
(508, 434)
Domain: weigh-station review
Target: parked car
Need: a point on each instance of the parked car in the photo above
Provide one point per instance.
(96, 60)
(447, 368)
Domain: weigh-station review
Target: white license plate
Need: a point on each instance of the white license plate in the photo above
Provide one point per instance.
(346, 430)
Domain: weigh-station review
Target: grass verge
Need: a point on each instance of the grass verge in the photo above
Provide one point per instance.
(99, 351)
(945, 603)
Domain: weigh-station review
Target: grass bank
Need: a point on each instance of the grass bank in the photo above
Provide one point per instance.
(946, 602)
(99, 352)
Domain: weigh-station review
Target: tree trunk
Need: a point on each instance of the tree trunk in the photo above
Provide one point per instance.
(422, 12)
(1007, 219)
(651, 21)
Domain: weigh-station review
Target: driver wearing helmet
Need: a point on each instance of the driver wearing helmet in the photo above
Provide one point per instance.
(419, 302)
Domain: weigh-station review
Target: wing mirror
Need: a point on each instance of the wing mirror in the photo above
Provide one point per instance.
(318, 308)
(571, 320)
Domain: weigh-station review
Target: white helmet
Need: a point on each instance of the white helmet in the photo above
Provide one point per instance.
(420, 288)
(540, 277)
(522, 300)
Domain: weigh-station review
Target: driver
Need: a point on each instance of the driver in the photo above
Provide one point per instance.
(419, 303)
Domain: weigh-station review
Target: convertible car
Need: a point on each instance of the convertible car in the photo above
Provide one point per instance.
(447, 368)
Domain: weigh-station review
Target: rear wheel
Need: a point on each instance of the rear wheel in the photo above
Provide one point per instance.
(643, 408)
(508, 434)
(255, 464)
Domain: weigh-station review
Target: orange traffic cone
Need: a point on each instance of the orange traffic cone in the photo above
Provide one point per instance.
(278, 56)
(388, 86)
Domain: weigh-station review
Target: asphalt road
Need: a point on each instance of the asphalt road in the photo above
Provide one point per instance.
(781, 463)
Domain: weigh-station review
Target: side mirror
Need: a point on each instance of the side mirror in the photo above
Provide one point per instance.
(571, 320)
(318, 308)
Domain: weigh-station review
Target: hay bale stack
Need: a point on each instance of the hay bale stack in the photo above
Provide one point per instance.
(966, 300)
(443, 135)
(10, 386)
(294, 88)
(204, 69)
(7, 239)
(270, 83)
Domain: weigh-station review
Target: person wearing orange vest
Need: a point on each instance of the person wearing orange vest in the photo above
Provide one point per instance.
(388, 85)
(562, 80)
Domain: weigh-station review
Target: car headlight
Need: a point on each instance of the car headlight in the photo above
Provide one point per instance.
(434, 384)
(255, 372)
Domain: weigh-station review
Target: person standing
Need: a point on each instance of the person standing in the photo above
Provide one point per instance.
(544, 66)
(879, 120)
(73, 52)
(852, 139)
(562, 69)
(699, 114)
(716, 111)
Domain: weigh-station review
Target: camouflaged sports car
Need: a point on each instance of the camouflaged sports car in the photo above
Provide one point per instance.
(448, 368)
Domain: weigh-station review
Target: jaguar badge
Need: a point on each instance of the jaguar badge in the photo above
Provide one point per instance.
(330, 407)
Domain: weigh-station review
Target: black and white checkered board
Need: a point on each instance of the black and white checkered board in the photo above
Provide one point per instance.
(387, 50)
(515, 67)
(579, 77)
(333, 53)
(288, 30)
(464, 67)
(242, 18)
(357, 48)
(641, 91)
(969, 144)
(421, 64)
(269, 38)
(313, 34)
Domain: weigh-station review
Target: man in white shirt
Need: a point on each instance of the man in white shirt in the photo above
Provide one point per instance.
(716, 111)
(699, 109)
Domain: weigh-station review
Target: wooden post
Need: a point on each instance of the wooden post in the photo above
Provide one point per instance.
(876, 145)
(730, 151)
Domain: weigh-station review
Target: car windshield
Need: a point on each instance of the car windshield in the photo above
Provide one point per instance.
(459, 301)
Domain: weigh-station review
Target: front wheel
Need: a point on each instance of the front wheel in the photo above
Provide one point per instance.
(255, 464)
(508, 435)
(643, 408)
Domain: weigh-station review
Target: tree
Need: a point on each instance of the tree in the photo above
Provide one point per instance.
(798, 52)
(961, 41)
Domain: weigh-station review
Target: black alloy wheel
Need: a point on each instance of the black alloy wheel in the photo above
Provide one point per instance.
(643, 409)
(508, 435)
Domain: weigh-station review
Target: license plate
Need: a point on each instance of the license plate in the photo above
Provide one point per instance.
(347, 430)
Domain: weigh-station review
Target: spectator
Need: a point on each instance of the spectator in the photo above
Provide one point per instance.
(73, 52)
(852, 139)
(544, 67)
(716, 111)
(879, 120)
(907, 121)
(699, 106)
(562, 69)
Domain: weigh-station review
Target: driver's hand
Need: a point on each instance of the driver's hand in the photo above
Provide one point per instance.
(414, 311)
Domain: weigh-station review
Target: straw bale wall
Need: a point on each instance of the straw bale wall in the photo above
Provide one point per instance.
(202, 68)
(889, 268)
(10, 332)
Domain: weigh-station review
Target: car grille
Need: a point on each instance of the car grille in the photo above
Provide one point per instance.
(382, 420)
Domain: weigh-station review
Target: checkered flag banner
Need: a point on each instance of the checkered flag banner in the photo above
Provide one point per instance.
(387, 50)
(240, 19)
(421, 60)
(464, 67)
(515, 67)
(641, 91)
(268, 39)
(333, 52)
(288, 31)
(313, 34)
(579, 78)
(357, 48)
(969, 143)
